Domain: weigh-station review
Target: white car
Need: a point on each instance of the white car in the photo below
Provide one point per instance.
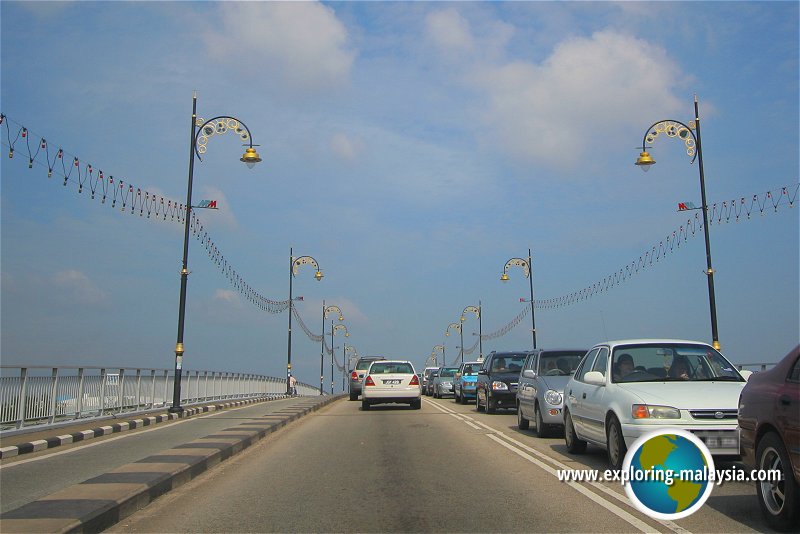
(624, 389)
(391, 381)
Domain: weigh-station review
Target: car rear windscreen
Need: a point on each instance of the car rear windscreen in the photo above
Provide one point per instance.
(391, 368)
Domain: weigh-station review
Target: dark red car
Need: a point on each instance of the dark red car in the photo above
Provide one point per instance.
(769, 423)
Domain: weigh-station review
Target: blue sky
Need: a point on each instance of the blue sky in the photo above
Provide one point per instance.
(411, 149)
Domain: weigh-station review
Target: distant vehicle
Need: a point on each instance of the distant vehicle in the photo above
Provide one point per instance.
(496, 386)
(357, 375)
(427, 383)
(769, 423)
(465, 381)
(624, 389)
(391, 381)
(443, 382)
(540, 394)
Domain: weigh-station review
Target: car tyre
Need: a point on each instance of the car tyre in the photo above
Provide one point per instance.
(353, 396)
(779, 500)
(416, 404)
(455, 396)
(477, 402)
(542, 430)
(522, 423)
(615, 443)
(364, 405)
(574, 444)
(490, 405)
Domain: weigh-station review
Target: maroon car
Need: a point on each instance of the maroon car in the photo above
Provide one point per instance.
(769, 423)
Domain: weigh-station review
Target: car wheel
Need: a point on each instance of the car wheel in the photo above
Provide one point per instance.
(455, 396)
(364, 405)
(615, 443)
(416, 404)
(353, 396)
(542, 430)
(477, 402)
(574, 445)
(522, 423)
(779, 500)
(490, 405)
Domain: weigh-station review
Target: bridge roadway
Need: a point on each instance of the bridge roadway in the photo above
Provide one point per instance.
(339, 469)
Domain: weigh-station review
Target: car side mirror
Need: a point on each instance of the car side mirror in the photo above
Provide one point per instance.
(596, 378)
(528, 373)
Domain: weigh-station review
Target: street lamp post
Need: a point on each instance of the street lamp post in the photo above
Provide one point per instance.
(325, 312)
(477, 312)
(197, 146)
(436, 349)
(527, 268)
(349, 361)
(456, 326)
(334, 329)
(294, 265)
(690, 135)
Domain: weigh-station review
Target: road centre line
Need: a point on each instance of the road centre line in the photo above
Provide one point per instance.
(493, 433)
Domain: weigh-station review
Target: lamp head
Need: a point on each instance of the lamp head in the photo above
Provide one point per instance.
(504, 278)
(341, 317)
(319, 276)
(645, 161)
(250, 157)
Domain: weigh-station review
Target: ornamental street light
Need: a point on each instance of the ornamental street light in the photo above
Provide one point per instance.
(438, 348)
(456, 326)
(201, 132)
(690, 135)
(349, 364)
(334, 329)
(527, 268)
(294, 265)
(326, 311)
(477, 312)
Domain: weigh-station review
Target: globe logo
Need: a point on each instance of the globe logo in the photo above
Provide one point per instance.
(670, 473)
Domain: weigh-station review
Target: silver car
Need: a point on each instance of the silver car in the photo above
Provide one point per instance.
(540, 394)
(357, 375)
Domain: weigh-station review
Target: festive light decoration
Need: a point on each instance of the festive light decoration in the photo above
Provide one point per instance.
(135, 200)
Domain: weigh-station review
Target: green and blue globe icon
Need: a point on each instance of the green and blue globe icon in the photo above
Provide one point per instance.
(671, 473)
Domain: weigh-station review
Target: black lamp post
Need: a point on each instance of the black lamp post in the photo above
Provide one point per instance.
(690, 135)
(294, 265)
(325, 312)
(527, 268)
(334, 329)
(477, 312)
(457, 326)
(197, 146)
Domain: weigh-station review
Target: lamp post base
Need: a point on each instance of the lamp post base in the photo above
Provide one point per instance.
(175, 409)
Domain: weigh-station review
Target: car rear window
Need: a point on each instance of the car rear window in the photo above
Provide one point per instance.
(363, 365)
(381, 368)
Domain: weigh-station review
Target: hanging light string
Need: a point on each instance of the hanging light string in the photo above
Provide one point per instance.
(313, 337)
(134, 199)
(131, 198)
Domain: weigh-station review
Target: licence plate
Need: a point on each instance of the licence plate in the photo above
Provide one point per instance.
(393, 382)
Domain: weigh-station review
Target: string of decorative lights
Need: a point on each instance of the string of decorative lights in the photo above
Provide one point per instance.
(132, 198)
(313, 337)
(160, 207)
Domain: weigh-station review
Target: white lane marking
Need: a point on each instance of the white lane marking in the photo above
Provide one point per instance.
(123, 436)
(493, 433)
(611, 507)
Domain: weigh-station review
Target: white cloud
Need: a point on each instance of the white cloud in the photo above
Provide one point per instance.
(586, 91)
(449, 31)
(227, 295)
(345, 147)
(302, 42)
(79, 287)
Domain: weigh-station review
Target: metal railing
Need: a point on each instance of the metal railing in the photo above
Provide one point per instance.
(755, 367)
(43, 395)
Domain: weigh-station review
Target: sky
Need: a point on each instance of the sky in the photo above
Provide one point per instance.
(411, 149)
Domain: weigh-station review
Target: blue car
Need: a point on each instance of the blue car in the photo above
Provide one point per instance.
(464, 382)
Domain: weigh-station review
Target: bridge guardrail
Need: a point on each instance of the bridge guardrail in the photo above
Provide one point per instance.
(46, 395)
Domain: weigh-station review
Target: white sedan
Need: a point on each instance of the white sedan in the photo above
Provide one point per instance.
(624, 389)
(391, 381)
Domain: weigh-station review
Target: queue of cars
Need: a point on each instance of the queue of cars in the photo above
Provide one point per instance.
(615, 392)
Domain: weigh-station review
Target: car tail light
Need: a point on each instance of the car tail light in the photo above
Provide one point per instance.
(354, 376)
(414, 381)
(368, 381)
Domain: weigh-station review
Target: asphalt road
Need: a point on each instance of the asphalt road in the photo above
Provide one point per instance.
(28, 477)
(392, 469)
